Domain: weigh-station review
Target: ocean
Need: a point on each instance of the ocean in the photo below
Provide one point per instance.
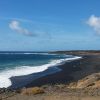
(22, 64)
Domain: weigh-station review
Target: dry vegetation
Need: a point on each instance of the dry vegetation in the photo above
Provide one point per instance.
(91, 81)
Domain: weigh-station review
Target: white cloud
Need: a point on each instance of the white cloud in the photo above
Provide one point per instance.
(94, 22)
(15, 25)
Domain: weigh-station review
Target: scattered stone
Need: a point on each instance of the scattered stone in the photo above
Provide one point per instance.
(32, 91)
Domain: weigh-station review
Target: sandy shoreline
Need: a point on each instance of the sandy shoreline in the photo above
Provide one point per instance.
(24, 81)
(60, 77)
(61, 85)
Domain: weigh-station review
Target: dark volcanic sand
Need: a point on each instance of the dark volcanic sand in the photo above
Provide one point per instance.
(71, 71)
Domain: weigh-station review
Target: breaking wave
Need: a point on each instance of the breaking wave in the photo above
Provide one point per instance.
(26, 70)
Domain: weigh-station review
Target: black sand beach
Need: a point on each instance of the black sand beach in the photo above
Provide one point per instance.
(71, 72)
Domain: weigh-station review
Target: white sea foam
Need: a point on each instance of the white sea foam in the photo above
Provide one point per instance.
(26, 70)
(4, 82)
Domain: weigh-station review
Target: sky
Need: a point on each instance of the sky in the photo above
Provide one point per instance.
(45, 25)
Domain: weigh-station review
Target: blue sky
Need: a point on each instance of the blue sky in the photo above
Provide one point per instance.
(40, 25)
